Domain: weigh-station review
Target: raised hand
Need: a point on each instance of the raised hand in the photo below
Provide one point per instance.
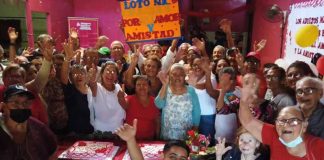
(127, 132)
(225, 25)
(68, 50)
(74, 33)
(205, 64)
(199, 43)
(225, 82)
(260, 45)
(92, 74)
(250, 87)
(27, 52)
(164, 78)
(220, 148)
(47, 51)
(13, 35)
(193, 79)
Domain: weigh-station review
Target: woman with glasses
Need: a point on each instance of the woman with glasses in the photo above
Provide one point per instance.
(287, 139)
(108, 102)
(308, 94)
(76, 90)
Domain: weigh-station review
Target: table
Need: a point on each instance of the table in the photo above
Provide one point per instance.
(64, 145)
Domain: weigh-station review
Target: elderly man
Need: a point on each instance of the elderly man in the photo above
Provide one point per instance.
(309, 91)
(21, 136)
(287, 139)
(117, 53)
(218, 52)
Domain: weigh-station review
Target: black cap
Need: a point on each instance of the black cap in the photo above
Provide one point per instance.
(17, 90)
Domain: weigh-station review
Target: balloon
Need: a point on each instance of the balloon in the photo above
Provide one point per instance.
(282, 63)
(320, 65)
(306, 35)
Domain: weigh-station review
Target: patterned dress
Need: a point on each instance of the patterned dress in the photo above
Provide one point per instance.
(177, 116)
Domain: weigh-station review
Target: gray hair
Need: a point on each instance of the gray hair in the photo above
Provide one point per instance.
(317, 82)
(221, 48)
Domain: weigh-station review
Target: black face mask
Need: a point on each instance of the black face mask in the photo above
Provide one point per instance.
(20, 115)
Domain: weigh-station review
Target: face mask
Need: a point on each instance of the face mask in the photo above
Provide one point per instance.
(294, 142)
(20, 115)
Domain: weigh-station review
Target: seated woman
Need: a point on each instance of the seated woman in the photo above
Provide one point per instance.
(247, 147)
(108, 102)
(76, 94)
(288, 138)
(141, 106)
(179, 104)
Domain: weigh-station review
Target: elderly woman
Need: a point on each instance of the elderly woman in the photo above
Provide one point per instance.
(108, 101)
(287, 139)
(246, 147)
(141, 106)
(152, 66)
(76, 91)
(308, 94)
(179, 104)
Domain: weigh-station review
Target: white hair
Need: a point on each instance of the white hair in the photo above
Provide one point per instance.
(316, 81)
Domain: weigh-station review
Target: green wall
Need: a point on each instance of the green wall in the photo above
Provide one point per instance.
(17, 12)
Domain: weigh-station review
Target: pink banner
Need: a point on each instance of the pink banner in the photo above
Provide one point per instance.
(87, 29)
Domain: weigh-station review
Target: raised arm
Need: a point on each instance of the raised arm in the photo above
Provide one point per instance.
(200, 44)
(92, 78)
(127, 133)
(225, 25)
(69, 54)
(248, 95)
(13, 35)
(168, 59)
(74, 37)
(225, 85)
(205, 65)
(131, 70)
(160, 99)
(41, 79)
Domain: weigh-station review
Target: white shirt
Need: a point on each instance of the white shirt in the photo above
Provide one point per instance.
(108, 114)
(207, 103)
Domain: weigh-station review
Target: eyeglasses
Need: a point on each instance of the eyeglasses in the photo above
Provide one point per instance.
(272, 78)
(78, 74)
(110, 72)
(291, 122)
(294, 75)
(305, 91)
(25, 104)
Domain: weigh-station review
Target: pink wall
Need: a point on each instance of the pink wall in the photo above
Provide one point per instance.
(263, 29)
(239, 19)
(57, 11)
(108, 13)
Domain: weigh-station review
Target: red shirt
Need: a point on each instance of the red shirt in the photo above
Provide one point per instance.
(37, 107)
(314, 146)
(146, 117)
